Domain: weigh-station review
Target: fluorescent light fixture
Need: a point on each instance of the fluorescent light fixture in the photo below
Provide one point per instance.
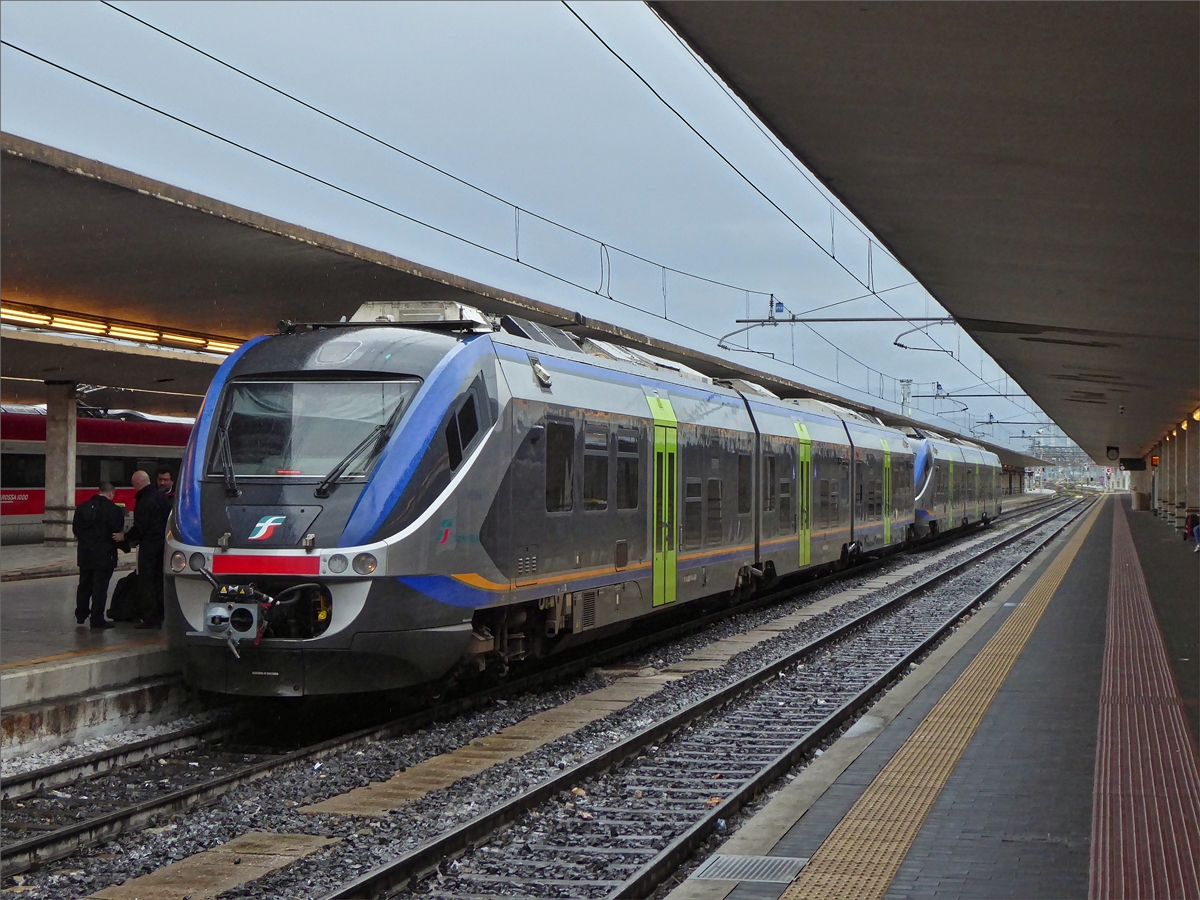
(41, 317)
(70, 323)
(133, 334)
(24, 318)
(186, 339)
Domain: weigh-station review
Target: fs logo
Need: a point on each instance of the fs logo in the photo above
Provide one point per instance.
(266, 527)
(446, 526)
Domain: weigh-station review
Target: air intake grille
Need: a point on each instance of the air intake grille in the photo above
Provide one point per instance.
(527, 565)
(776, 869)
(588, 617)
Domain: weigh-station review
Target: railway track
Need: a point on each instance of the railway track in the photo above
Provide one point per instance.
(621, 822)
(52, 813)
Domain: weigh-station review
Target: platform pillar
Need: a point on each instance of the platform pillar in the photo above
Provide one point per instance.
(1192, 492)
(1167, 494)
(60, 462)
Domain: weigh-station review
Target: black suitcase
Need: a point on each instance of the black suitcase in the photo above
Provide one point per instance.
(125, 598)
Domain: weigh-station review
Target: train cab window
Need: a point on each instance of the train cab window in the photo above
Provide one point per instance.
(745, 487)
(595, 467)
(461, 430)
(693, 512)
(560, 454)
(468, 421)
(768, 483)
(712, 520)
(629, 463)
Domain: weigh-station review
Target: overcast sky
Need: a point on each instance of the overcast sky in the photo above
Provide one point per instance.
(518, 99)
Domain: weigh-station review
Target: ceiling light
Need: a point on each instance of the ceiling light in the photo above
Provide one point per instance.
(186, 339)
(135, 334)
(25, 318)
(72, 324)
(1183, 424)
(42, 317)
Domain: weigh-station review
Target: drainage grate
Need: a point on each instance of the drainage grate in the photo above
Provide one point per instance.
(778, 869)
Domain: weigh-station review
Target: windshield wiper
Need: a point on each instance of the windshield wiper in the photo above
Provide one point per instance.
(231, 488)
(378, 435)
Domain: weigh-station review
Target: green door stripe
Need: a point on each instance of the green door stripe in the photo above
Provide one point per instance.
(804, 478)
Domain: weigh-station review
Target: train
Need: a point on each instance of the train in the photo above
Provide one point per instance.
(422, 493)
(110, 446)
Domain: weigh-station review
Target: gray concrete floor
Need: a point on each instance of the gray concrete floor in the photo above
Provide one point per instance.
(37, 619)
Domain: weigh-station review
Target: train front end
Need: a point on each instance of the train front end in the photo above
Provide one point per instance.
(305, 492)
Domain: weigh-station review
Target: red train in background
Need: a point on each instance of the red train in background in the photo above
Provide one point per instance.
(108, 447)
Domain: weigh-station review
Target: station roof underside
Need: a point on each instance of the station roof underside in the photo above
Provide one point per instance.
(81, 236)
(1034, 165)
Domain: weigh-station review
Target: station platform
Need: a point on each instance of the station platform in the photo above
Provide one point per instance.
(61, 682)
(1046, 749)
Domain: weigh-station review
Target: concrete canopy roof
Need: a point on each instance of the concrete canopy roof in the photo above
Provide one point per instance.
(1034, 165)
(81, 236)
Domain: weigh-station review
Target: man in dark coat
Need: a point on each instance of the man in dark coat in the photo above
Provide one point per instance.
(165, 479)
(93, 525)
(149, 531)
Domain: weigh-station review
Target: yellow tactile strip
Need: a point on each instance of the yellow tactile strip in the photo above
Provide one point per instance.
(440, 772)
(861, 857)
(207, 874)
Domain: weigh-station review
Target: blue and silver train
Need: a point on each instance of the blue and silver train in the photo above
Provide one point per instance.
(409, 498)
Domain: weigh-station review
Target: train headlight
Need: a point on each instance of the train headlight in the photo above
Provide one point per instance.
(197, 561)
(337, 564)
(365, 563)
(178, 561)
(241, 619)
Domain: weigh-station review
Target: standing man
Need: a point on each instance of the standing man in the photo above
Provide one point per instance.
(94, 522)
(165, 480)
(150, 511)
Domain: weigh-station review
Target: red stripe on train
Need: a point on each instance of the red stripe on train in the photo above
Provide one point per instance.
(230, 564)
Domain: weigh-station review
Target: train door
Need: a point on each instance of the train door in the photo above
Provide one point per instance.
(665, 475)
(953, 497)
(804, 495)
(887, 493)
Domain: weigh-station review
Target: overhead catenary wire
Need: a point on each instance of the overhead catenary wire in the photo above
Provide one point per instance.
(603, 289)
(518, 210)
(830, 253)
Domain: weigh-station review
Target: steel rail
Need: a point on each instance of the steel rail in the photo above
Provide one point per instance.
(426, 858)
(675, 854)
(18, 787)
(31, 853)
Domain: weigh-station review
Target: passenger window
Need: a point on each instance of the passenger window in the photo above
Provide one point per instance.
(712, 527)
(628, 466)
(595, 468)
(787, 521)
(745, 488)
(768, 483)
(693, 521)
(826, 515)
(560, 454)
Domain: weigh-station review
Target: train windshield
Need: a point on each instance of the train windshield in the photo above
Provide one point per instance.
(306, 428)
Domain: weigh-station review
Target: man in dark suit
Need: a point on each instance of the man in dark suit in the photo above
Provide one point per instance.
(149, 531)
(94, 522)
